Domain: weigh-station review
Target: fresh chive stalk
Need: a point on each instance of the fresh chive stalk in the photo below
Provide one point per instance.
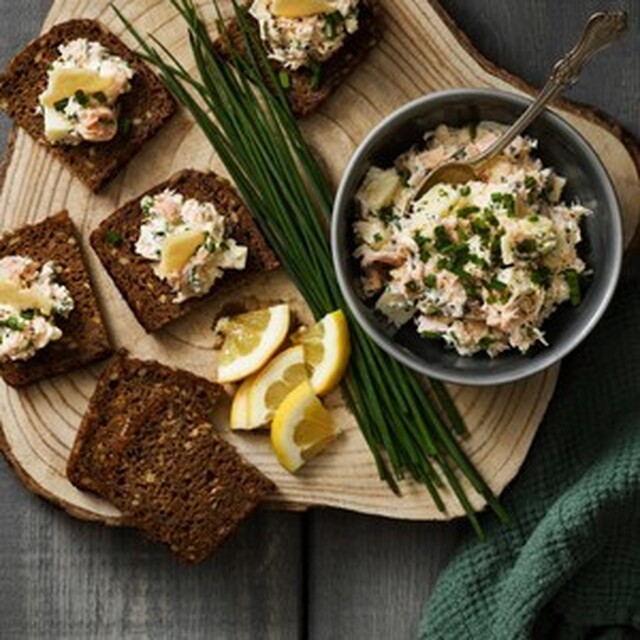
(243, 110)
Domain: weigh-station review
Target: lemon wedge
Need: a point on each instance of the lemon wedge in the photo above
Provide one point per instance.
(272, 384)
(250, 339)
(301, 427)
(327, 348)
(239, 418)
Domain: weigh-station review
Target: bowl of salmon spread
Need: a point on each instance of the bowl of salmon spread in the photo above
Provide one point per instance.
(487, 281)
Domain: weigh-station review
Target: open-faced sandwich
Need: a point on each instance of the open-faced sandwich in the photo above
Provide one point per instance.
(168, 248)
(312, 44)
(81, 92)
(50, 322)
(147, 444)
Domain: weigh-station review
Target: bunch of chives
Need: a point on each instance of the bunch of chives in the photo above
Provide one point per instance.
(243, 111)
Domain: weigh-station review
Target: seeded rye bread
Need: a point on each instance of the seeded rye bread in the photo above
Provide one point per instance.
(181, 483)
(303, 96)
(122, 393)
(84, 338)
(150, 298)
(168, 472)
(145, 108)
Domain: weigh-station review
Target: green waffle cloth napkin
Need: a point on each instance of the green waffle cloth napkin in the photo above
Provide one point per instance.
(568, 566)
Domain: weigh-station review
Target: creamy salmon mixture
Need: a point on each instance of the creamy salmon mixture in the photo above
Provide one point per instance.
(84, 85)
(309, 39)
(188, 242)
(480, 265)
(31, 299)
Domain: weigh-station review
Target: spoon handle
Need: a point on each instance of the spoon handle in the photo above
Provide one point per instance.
(602, 29)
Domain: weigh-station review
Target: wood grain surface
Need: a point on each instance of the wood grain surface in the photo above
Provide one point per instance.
(326, 574)
(39, 424)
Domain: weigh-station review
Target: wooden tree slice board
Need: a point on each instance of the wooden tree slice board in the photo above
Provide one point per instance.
(421, 51)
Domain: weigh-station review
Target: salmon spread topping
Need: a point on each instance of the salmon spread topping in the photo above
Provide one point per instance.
(480, 265)
(80, 102)
(31, 299)
(189, 243)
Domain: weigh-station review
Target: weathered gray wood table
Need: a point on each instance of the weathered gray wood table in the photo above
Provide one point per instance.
(325, 574)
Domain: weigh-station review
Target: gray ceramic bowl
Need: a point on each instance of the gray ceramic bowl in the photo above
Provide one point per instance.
(561, 147)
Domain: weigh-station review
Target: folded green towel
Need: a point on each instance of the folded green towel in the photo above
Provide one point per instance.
(569, 564)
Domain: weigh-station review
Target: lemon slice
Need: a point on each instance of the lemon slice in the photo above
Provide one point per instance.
(327, 348)
(272, 384)
(301, 427)
(250, 340)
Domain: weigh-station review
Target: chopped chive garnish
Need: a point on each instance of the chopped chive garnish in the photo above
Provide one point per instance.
(507, 201)
(316, 74)
(422, 242)
(527, 246)
(61, 105)
(485, 342)
(386, 214)
(331, 24)
(496, 285)
(575, 295)
(112, 237)
(443, 239)
(465, 212)
(284, 79)
(330, 29)
(124, 127)
(541, 276)
(404, 174)
(12, 322)
(81, 98)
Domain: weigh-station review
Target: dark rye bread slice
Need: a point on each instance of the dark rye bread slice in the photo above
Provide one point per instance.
(181, 483)
(145, 108)
(150, 298)
(304, 96)
(84, 337)
(121, 395)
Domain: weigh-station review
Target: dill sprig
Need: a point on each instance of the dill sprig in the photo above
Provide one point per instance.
(242, 109)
